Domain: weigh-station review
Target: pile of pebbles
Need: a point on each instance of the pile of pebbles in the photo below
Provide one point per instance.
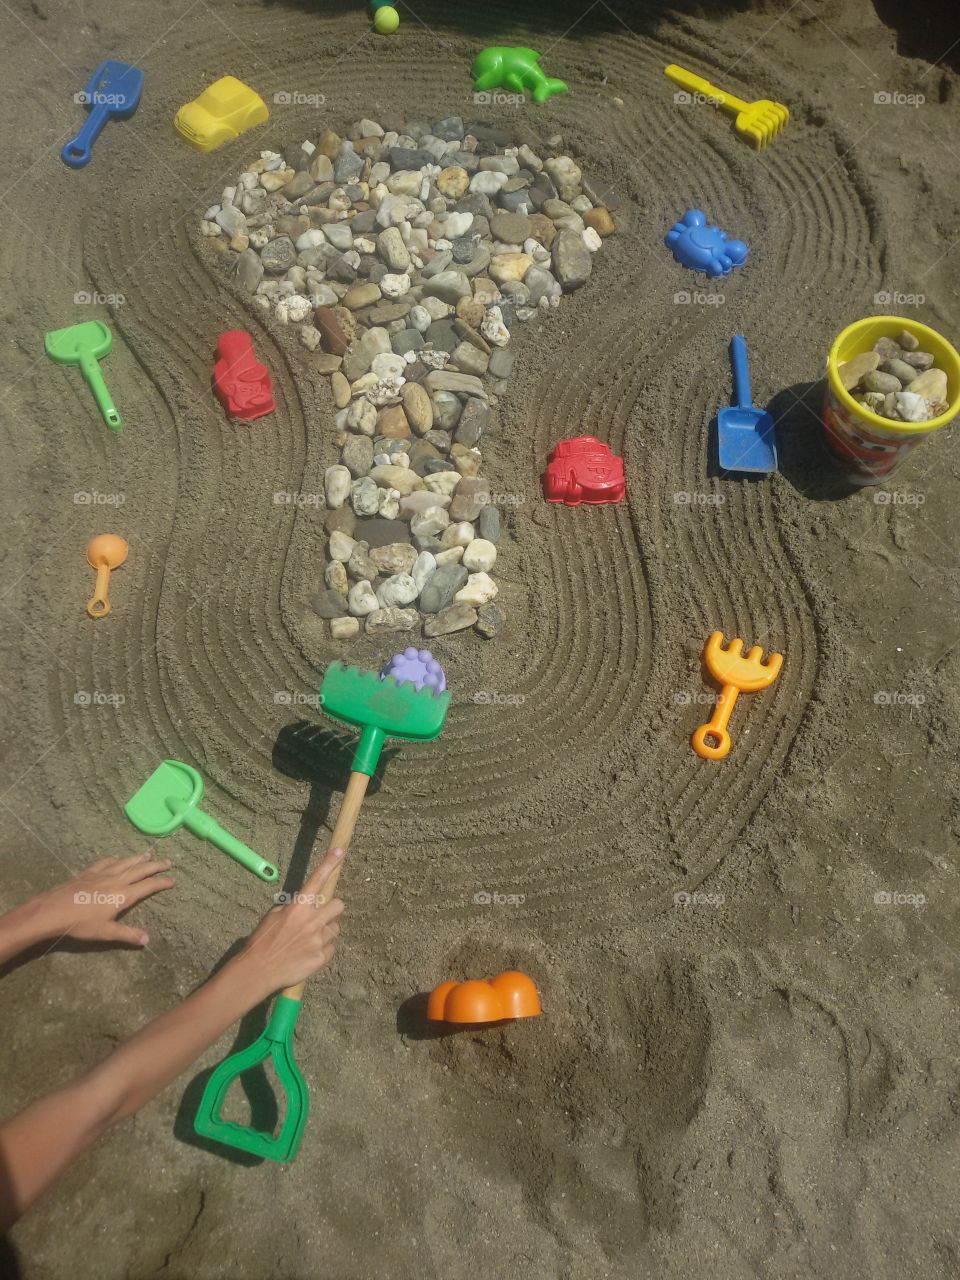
(407, 254)
(897, 380)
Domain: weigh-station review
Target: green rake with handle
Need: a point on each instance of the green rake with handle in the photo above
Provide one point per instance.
(380, 709)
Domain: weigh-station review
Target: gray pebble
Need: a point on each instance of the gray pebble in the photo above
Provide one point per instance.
(406, 340)
(900, 370)
(391, 619)
(331, 604)
(916, 359)
(437, 264)
(877, 381)
(360, 567)
(518, 201)
(357, 455)
(440, 588)
(473, 420)
(572, 260)
(442, 336)
(342, 270)
(488, 523)
(279, 256)
(491, 619)
(381, 532)
(299, 185)
(249, 270)
(349, 164)
(464, 247)
(440, 439)
(450, 129)
(502, 360)
(364, 221)
(457, 617)
(405, 158)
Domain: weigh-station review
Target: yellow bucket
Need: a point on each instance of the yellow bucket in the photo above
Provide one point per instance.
(871, 447)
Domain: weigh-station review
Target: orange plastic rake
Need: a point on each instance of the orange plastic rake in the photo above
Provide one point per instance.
(737, 674)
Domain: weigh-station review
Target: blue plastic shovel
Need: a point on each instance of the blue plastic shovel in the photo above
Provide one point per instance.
(745, 434)
(112, 93)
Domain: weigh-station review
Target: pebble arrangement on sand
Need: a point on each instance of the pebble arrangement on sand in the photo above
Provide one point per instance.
(407, 253)
(897, 380)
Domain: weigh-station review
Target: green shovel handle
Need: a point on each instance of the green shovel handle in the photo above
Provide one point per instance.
(207, 828)
(90, 367)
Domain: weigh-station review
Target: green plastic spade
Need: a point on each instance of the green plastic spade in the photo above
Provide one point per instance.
(170, 799)
(85, 344)
(275, 1043)
(380, 709)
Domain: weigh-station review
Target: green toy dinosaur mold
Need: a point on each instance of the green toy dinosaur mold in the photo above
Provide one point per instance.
(516, 69)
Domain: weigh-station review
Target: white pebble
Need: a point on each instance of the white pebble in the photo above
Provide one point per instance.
(394, 285)
(420, 318)
(591, 239)
(361, 600)
(480, 588)
(293, 309)
(480, 556)
(912, 407)
(457, 224)
(336, 486)
(388, 365)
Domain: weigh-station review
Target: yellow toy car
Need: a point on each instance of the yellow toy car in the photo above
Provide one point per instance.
(223, 111)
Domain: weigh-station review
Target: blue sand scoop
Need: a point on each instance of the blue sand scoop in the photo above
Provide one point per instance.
(112, 93)
(745, 433)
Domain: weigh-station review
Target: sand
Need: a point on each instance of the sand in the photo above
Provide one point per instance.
(760, 1083)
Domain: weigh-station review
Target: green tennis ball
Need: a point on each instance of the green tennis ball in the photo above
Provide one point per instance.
(386, 20)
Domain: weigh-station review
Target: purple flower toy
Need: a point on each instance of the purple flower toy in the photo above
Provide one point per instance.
(418, 667)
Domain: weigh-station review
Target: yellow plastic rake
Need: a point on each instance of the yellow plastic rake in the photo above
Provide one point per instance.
(759, 122)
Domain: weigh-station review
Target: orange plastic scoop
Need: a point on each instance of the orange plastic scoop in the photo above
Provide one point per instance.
(105, 552)
(508, 995)
(737, 674)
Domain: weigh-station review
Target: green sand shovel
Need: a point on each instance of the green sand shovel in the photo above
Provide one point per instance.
(380, 709)
(170, 798)
(86, 344)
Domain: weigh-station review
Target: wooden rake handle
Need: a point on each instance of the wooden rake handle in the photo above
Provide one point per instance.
(342, 835)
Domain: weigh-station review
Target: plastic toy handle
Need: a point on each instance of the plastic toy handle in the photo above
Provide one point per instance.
(207, 828)
(741, 372)
(283, 1019)
(697, 84)
(98, 606)
(342, 835)
(90, 366)
(711, 741)
(367, 755)
(76, 152)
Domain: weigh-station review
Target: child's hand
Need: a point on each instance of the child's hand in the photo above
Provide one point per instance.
(298, 938)
(87, 906)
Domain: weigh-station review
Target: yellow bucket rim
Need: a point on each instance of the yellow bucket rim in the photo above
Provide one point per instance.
(921, 331)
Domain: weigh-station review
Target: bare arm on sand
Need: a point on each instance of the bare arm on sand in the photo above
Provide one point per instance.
(86, 907)
(289, 944)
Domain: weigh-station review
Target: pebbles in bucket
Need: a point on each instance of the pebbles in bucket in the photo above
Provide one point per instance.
(408, 254)
(897, 380)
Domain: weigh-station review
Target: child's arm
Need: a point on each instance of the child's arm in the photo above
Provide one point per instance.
(289, 944)
(87, 906)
